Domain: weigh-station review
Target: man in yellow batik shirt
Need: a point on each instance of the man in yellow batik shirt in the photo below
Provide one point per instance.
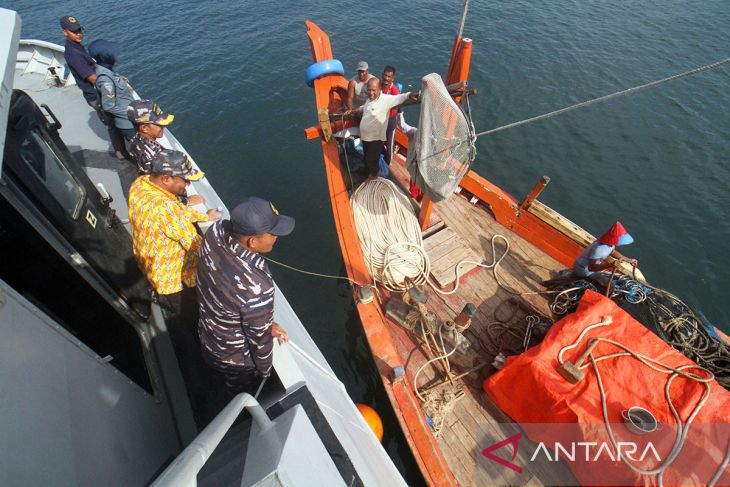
(165, 242)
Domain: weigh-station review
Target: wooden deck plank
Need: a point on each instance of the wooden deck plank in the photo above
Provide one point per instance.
(438, 238)
(463, 446)
(483, 436)
(444, 270)
(444, 250)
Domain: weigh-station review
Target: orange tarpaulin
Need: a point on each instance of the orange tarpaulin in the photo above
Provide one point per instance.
(530, 389)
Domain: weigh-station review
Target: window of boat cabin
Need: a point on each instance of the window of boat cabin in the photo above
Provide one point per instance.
(33, 268)
(37, 154)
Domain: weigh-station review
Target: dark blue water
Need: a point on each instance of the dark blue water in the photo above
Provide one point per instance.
(232, 73)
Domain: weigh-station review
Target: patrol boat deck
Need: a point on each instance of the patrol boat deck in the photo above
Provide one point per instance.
(92, 390)
(84, 134)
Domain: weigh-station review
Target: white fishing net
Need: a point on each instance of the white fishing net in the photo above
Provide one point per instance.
(444, 142)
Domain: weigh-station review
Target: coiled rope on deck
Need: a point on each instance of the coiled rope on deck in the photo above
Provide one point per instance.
(390, 238)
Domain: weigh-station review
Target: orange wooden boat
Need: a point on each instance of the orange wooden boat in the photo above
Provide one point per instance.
(541, 241)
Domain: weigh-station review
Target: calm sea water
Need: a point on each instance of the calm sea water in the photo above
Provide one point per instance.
(232, 73)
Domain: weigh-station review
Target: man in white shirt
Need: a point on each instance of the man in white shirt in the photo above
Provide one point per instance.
(374, 123)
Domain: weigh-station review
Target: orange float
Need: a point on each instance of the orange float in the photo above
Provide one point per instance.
(372, 419)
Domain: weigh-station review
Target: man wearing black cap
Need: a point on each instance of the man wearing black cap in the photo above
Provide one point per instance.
(82, 65)
(149, 121)
(236, 294)
(83, 69)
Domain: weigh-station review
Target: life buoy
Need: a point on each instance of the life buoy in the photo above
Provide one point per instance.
(322, 68)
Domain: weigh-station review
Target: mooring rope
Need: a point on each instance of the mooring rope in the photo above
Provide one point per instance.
(628, 91)
(309, 273)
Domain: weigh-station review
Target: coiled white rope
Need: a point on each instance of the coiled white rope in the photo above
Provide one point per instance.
(390, 238)
(389, 235)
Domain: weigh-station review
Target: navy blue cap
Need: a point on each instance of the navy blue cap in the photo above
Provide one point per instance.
(255, 216)
(104, 52)
(69, 22)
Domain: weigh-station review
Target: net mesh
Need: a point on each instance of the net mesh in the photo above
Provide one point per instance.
(444, 147)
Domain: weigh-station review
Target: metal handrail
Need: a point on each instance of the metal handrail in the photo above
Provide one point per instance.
(183, 471)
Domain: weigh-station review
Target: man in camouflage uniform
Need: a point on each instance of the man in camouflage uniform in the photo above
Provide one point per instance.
(236, 294)
(150, 121)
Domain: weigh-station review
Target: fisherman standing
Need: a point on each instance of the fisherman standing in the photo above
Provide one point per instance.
(236, 294)
(390, 88)
(374, 123)
(594, 257)
(83, 69)
(357, 87)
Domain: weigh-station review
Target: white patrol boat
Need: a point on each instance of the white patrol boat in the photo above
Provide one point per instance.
(91, 390)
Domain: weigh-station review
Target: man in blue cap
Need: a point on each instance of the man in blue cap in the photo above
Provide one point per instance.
(83, 69)
(236, 294)
(79, 61)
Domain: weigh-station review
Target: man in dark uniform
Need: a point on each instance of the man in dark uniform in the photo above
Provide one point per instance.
(236, 294)
(83, 69)
(150, 121)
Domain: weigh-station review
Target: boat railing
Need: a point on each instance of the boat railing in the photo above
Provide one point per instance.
(183, 471)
